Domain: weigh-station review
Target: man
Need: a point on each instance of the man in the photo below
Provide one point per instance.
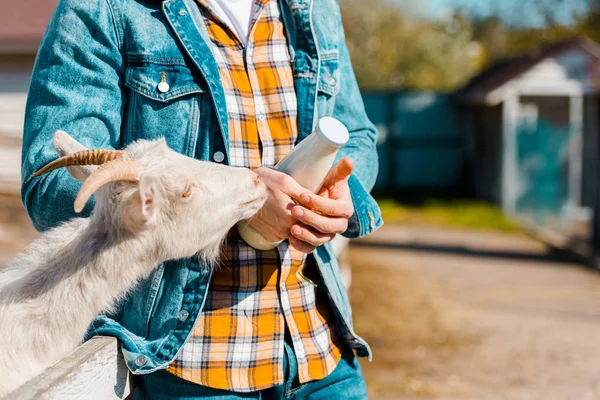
(230, 81)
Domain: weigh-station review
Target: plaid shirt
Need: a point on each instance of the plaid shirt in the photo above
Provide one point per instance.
(237, 343)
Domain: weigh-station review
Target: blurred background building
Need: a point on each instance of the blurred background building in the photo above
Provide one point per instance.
(490, 100)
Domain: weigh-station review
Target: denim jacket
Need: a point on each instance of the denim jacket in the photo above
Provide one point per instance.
(96, 77)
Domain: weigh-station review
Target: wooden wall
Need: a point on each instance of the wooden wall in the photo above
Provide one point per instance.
(15, 72)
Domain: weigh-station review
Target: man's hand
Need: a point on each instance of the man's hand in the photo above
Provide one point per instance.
(274, 220)
(324, 215)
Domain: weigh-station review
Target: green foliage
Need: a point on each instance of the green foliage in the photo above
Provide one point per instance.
(392, 51)
(468, 214)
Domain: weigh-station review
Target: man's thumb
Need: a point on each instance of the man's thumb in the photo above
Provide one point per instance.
(340, 172)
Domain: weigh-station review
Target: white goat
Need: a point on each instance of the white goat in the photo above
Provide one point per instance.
(152, 205)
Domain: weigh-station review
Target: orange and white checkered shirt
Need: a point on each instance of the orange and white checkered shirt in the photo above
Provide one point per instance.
(237, 343)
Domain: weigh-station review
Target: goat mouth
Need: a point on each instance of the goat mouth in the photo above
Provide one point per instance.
(253, 202)
(254, 205)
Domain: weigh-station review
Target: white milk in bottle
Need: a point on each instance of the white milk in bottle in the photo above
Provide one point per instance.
(308, 163)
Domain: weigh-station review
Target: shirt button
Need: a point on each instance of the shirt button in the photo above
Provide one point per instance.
(182, 13)
(332, 81)
(261, 117)
(163, 87)
(183, 315)
(219, 156)
(141, 361)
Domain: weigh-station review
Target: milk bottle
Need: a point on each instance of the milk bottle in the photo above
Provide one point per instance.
(308, 163)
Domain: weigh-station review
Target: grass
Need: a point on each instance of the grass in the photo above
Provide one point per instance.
(468, 214)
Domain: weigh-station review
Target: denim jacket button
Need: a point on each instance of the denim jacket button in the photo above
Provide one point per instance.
(163, 87)
(219, 156)
(332, 81)
(141, 361)
(182, 13)
(183, 315)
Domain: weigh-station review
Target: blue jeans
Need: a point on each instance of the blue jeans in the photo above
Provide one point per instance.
(345, 382)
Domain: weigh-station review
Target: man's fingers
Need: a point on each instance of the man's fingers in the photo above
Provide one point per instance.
(283, 182)
(301, 246)
(340, 172)
(289, 186)
(324, 192)
(310, 236)
(329, 207)
(324, 224)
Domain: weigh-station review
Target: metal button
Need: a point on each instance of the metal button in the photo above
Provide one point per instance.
(261, 117)
(163, 87)
(219, 156)
(141, 361)
(332, 80)
(371, 220)
(183, 315)
(182, 13)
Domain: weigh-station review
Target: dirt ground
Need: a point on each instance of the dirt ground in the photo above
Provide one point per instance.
(455, 314)
(471, 315)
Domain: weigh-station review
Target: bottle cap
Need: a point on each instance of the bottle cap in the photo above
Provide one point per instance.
(332, 131)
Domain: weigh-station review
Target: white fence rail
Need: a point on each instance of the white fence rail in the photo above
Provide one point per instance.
(95, 371)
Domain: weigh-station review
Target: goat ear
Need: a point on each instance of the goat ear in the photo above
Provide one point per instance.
(65, 145)
(149, 198)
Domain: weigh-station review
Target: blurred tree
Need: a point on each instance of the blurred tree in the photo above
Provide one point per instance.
(590, 23)
(501, 41)
(369, 31)
(493, 35)
(391, 50)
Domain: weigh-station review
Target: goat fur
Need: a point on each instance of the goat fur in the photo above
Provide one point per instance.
(51, 293)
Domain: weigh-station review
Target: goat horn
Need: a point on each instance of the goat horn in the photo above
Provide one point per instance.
(85, 157)
(120, 169)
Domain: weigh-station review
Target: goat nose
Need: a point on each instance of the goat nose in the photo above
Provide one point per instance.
(256, 180)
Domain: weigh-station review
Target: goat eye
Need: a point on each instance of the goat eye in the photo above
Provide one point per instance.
(188, 191)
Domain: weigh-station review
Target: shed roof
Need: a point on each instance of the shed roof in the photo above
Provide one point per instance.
(506, 70)
(22, 24)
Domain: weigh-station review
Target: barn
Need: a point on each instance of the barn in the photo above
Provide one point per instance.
(18, 45)
(420, 144)
(531, 140)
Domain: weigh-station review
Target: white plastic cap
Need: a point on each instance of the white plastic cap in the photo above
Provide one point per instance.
(332, 131)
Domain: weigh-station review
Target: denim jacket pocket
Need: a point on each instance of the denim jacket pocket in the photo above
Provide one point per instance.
(329, 73)
(161, 82)
(328, 85)
(164, 101)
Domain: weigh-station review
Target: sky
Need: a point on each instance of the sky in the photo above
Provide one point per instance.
(518, 12)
